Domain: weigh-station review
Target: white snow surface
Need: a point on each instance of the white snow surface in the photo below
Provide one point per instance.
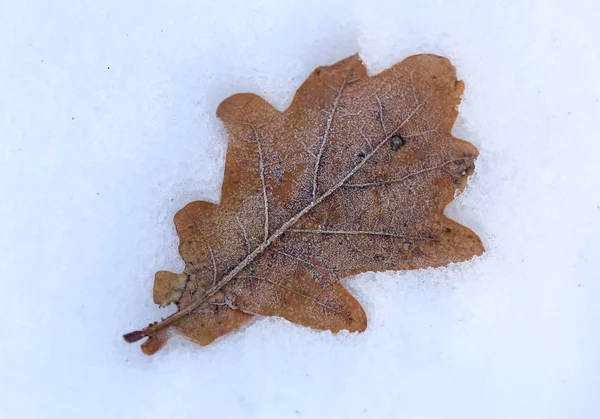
(108, 127)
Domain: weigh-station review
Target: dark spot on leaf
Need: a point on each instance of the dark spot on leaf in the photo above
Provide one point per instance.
(279, 172)
(447, 230)
(379, 257)
(361, 154)
(396, 142)
(456, 181)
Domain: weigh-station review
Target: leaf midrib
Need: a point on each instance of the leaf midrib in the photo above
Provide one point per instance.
(152, 329)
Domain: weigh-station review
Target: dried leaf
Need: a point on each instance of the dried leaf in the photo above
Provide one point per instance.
(354, 176)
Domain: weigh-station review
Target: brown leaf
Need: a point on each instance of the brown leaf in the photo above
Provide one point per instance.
(354, 176)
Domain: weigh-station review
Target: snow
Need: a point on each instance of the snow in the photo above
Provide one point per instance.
(107, 115)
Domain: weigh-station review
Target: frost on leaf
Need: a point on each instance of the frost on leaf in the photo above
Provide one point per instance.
(354, 176)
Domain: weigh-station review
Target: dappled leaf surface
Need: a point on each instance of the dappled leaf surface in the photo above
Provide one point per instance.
(354, 176)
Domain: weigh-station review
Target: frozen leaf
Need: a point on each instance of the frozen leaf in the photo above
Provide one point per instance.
(354, 176)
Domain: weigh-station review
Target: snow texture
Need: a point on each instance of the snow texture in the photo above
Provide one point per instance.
(108, 127)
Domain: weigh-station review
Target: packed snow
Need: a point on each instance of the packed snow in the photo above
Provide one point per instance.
(108, 127)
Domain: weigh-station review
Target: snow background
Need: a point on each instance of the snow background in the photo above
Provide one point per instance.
(108, 127)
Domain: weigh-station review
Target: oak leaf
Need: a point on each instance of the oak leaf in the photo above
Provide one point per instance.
(354, 176)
